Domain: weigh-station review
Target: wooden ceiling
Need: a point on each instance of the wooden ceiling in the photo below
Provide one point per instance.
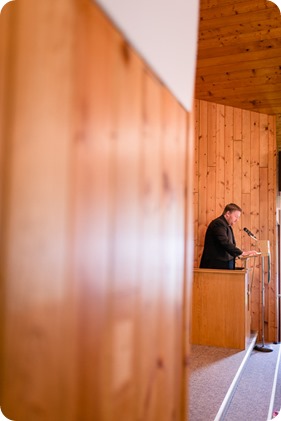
(239, 54)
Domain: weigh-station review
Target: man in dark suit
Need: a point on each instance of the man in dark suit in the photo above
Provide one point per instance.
(220, 248)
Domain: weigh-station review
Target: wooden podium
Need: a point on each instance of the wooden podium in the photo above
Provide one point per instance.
(221, 308)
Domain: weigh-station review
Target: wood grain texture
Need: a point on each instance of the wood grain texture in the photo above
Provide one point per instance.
(34, 253)
(96, 255)
(220, 308)
(245, 174)
(238, 50)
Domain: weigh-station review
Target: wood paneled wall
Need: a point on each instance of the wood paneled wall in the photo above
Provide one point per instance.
(96, 223)
(235, 161)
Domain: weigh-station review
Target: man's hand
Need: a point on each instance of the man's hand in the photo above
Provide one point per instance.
(250, 253)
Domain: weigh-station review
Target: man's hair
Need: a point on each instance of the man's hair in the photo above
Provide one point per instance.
(231, 207)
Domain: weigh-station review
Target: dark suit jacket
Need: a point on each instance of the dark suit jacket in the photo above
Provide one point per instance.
(219, 246)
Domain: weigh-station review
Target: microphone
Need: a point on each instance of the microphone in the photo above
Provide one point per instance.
(250, 233)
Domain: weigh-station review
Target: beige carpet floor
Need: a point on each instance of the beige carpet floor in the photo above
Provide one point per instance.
(212, 371)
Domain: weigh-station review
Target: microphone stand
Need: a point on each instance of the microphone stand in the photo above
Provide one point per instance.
(262, 347)
(265, 252)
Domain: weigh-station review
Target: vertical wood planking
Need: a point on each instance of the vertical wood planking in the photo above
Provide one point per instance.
(264, 200)
(246, 167)
(196, 184)
(237, 161)
(229, 168)
(211, 133)
(125, 148)
(255, 213)
(246, 152)
(246, 219)
(172, 249)
(246, 176)
(150, 245)
(106, 203)
(220, 167)
(272, 189)
(264, 140)
(211, 158)
(37, 372)
(255, 163)
(184, 247)
(92, 203)
(94, 261)
(7, 32)
(189, 254)
(263, 234)
(202, 173)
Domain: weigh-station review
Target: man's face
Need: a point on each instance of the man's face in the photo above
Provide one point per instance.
(232, 217)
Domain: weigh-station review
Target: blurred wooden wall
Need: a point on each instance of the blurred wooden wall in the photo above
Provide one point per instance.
(235, 161)
(96, 223)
